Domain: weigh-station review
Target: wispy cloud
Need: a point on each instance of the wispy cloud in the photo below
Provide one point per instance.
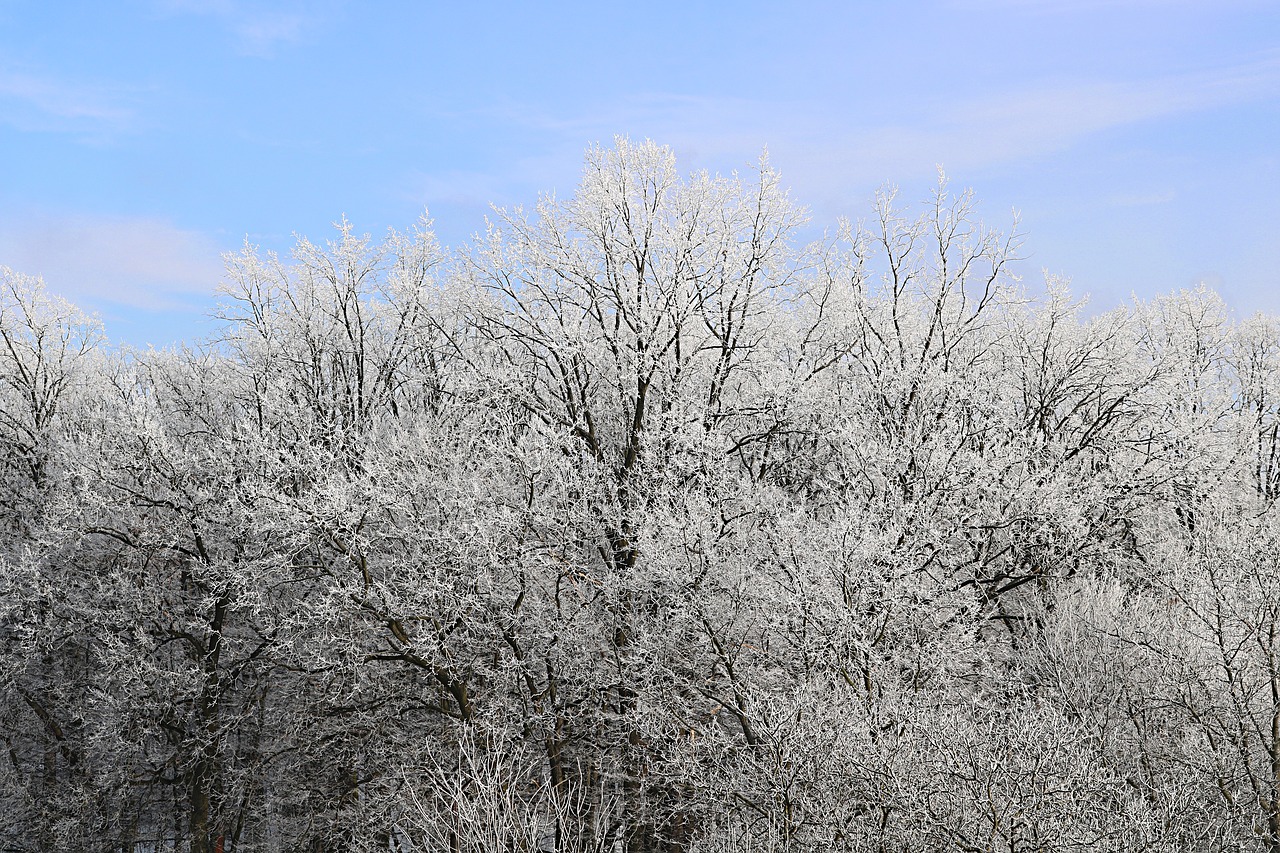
(1143, 199)
(826, 152)
(99, 261)
(259, 27)
(1041, 120)
(702, 130)
(1055, 7)
(35, 102)
(260, 33)
(455, 187)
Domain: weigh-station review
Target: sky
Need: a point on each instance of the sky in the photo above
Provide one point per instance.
(1139, 140)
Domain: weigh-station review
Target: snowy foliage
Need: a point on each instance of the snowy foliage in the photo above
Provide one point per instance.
(637, 525)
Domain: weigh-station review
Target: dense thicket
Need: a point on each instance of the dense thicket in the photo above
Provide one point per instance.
(635, 525)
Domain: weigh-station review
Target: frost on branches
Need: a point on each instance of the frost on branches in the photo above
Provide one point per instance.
(639, 525)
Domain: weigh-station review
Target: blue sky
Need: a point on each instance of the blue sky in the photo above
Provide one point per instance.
(1140, 139)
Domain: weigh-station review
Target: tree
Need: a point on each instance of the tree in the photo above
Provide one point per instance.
(49, 361)
(638, 524)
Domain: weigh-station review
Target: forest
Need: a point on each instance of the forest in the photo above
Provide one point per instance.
(643, 523)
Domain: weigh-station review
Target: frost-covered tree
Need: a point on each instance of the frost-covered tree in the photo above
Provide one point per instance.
(640, 523)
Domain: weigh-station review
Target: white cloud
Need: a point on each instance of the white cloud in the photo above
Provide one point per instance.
(1054, 7)
(824, 151)
(1143, 199)
(455, 186)
(33, 102)
(259, 27)
(1036, 121)
(260, 33)
(98, 261)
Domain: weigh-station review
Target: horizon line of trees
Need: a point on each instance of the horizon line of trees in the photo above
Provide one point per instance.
(637, 525)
